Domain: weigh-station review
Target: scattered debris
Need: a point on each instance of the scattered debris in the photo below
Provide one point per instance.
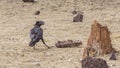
(37, 13)
(68, 43)
(113, 56)
(74, 12)
(90, 62)
(78, 18)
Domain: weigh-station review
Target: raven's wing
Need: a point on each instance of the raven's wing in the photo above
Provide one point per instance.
(39, 33)
(32, 34)
(36, 34)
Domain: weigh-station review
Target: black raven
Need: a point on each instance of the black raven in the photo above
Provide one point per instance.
(36, 34)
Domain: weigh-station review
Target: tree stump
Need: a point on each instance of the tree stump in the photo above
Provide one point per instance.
(99, 42)
(90, 62)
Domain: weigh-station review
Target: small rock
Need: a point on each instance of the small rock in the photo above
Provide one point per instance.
(113, 56)
(112, 65)
(78, 18)
(38, 64)
(90, 62)
(37, 13)
(74, 12)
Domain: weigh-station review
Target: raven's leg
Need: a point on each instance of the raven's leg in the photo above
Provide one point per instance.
(45, 43)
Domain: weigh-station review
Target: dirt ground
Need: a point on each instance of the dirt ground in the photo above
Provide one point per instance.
(17, 18)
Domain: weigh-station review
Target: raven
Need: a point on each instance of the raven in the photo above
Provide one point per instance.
(36, 34)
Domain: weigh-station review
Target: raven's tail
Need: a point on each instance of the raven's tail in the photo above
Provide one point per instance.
(31, 43)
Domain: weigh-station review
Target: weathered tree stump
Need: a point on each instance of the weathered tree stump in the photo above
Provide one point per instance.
(99, 42)
(90, 62)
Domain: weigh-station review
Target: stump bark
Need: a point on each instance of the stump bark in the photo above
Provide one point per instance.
(99, 42)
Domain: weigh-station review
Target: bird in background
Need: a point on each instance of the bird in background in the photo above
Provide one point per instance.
(36, 34)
